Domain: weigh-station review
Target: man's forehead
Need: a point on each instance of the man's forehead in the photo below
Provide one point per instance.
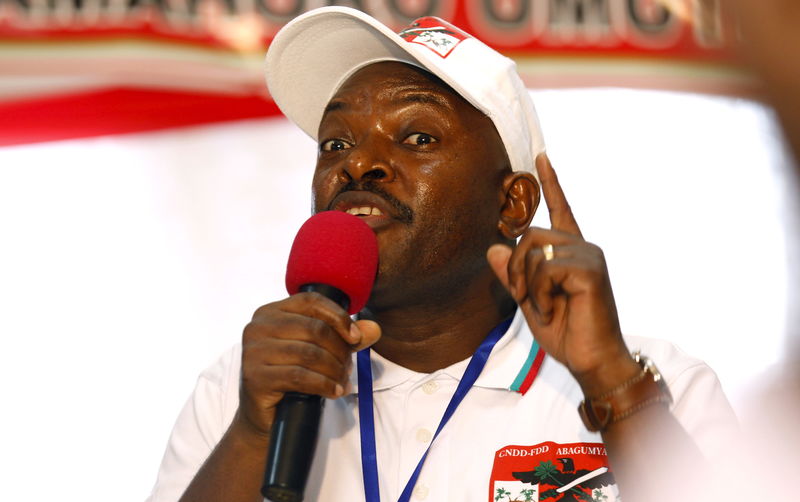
(396, 81)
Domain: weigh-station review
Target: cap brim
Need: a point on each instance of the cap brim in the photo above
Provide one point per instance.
(335, 42)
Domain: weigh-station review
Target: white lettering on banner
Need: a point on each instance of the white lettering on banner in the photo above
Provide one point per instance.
(553, 23)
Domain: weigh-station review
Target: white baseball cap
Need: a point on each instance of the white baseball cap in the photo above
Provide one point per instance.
(315, 53)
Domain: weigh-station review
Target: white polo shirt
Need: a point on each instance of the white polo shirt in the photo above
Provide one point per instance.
(513, 436)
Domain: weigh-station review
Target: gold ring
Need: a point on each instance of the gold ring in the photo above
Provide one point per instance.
(547, 249)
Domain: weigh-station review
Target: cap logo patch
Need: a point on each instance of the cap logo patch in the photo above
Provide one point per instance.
(436, 34)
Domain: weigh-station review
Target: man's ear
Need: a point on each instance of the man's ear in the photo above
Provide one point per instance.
(521, 198)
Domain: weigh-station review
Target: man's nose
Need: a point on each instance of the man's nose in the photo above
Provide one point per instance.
(367, 164)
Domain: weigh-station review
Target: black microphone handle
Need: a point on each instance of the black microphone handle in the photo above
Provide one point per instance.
(293, 438)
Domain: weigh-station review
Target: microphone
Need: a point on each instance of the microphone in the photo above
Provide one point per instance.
(334, 254)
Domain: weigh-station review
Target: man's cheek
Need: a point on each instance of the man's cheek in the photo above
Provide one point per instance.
(321, 195)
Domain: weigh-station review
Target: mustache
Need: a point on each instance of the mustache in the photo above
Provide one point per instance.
(402, 213)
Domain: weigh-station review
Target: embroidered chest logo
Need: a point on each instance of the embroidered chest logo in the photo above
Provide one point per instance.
(437, 35)
(550, 472)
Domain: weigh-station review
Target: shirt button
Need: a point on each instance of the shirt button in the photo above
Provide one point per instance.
(430, 387)
(424, 436)
(421, 492)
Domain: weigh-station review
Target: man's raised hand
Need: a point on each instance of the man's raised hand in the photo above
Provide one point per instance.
(567, 300)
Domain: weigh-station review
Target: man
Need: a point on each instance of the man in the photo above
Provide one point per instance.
(432, 137)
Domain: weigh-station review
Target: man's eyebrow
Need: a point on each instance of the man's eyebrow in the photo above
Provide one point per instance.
(333, 106)
(427, 98)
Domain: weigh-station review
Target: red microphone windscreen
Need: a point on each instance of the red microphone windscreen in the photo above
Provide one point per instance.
(337, 249)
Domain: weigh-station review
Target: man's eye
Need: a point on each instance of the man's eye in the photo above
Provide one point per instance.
(334, 145)
(419, 138)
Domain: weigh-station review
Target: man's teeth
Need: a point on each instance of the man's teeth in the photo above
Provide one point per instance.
(364, 211)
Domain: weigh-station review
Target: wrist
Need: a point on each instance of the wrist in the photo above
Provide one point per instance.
(609, 374)
(644, 389)
(246, 432)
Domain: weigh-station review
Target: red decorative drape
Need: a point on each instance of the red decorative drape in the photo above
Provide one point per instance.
(81, 68)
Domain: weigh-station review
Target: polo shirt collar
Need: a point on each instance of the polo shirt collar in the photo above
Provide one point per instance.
(511, 365)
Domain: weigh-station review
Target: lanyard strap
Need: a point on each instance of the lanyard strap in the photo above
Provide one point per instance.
(369, 457)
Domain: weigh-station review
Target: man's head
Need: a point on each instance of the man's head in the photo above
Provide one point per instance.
(427, 171)
(440, 178)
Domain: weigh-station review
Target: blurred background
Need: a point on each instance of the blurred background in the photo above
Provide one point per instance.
(150, 190)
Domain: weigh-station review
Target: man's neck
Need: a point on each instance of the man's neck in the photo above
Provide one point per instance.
(428, 337)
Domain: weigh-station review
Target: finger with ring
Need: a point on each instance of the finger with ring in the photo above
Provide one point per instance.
(547, 249)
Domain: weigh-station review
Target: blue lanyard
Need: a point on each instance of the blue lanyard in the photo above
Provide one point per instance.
(369, 458)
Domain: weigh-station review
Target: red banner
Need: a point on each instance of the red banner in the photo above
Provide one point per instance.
(53, 51)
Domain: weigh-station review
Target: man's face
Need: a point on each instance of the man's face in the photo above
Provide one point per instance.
(423, 168)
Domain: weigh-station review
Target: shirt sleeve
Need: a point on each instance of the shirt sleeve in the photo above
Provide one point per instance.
(200, 426)
(699, 403)
(704, 411)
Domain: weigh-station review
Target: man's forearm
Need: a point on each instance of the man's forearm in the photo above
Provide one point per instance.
(649, 449)
(234, 470)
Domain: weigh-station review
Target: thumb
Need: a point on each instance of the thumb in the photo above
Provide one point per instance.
(498, 256)
(370, 333)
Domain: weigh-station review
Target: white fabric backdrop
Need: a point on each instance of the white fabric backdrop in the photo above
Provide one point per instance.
(129, 263)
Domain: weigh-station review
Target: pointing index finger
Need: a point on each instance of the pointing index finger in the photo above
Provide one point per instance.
(561, 217)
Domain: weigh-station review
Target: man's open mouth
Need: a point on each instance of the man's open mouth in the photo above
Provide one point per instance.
(364, 211)
(369, 201)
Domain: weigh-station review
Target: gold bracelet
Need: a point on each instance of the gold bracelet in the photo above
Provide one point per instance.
(645, 389)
